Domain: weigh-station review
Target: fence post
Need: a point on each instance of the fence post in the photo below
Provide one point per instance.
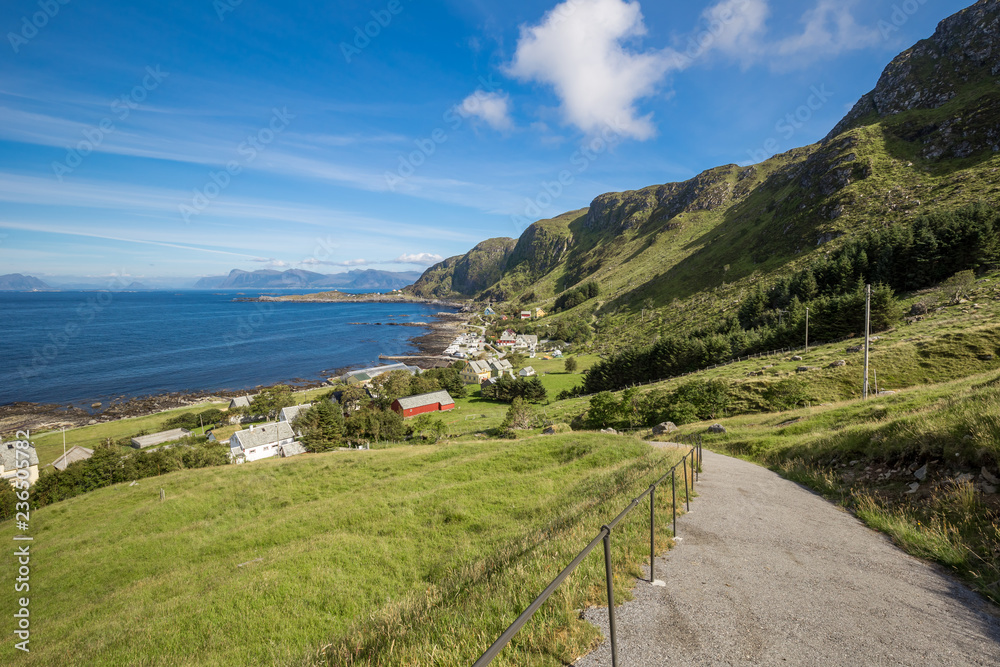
(673, 493)
(652, 546)
(687, 496)
(611, 595)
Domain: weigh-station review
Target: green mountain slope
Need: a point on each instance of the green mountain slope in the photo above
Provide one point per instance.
(926, 139)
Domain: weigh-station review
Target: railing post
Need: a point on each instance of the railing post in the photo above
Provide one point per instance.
(652, 546)
(611, 595)
(687, 496)
(673, 493)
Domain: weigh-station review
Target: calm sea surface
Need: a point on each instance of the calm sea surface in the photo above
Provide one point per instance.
(80, 347)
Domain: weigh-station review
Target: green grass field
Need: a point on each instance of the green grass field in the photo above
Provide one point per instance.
(410, 555)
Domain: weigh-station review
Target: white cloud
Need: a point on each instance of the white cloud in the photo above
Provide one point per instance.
(312, 261)
(420, 258)
(737, 28)
(578, 50)
(494, 108)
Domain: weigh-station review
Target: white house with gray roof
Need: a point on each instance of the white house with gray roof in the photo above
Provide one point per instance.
(260, 442)
(11, 463)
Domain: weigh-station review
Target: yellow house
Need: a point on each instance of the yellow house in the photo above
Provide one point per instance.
(475, 372)
(539, 313)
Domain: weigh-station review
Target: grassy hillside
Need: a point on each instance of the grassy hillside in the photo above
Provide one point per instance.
(386, 557)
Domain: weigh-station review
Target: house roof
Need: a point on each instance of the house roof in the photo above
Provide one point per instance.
(479, 366)
(530, 339)
(292, 449)
(265, 434)
(527, 370)
(290, 413)
(76, 453)
(8, 457)
(420, 400)
(501, 364)
(143, 441)
(242, 401)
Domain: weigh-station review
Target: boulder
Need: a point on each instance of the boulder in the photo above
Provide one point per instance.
(988, 476)
(551, 430)
(805, 369)
(837, 364)
(665, 427)
(913, 487)
(855, 348)
(609, 431)
(964, 477)
(796, 358)
(921, 472)
(716, 428)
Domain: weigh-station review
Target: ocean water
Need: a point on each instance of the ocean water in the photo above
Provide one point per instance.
(80, 347)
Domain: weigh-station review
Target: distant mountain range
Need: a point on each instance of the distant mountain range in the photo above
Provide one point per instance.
(299, 279)
(18, 282)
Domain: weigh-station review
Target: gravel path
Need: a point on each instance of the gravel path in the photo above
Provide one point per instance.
(768, 573)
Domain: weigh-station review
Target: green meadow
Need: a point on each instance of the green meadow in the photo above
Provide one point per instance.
(409, 555)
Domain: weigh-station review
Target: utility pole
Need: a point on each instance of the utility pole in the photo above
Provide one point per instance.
(868, 318)
(807, 331)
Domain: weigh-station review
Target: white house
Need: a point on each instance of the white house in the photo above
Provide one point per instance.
(526, 372)
(11, 463)
(526, 342)
(260, 442)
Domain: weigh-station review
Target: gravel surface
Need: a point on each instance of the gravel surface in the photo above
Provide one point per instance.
(769, 573)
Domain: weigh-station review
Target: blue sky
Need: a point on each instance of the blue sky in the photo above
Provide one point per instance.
(149, 140)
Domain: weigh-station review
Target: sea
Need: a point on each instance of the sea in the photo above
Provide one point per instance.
(80, 347)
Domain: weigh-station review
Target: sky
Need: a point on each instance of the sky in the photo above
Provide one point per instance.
(152, 141)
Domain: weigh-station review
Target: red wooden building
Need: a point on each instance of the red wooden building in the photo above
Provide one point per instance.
(411, 406)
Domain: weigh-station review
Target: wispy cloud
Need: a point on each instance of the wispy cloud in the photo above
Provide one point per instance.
(420, 259)
(493, 108)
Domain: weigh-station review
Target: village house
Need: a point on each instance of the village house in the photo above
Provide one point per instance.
(241, 401)
(77, 453)
(489, 311)
(154, 439)
(507, 339)
(525, 314)
(539, 313)
(526, 342)
(526, 372)
(475, 372)
(9, 461)
(290, 413)
(500, 367)
(411, 406)
(261, 442)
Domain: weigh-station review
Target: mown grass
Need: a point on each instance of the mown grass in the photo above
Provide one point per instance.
(410, 555)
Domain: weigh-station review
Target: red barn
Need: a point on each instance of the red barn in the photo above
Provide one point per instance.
(411, 406)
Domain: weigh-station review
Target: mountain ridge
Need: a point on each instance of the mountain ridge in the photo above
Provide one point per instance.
(924, 139)
(298, 278)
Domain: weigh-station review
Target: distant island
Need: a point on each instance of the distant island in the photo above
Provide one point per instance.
(17, 282)
(298, 279)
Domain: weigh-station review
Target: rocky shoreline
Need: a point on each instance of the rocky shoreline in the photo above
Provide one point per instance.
(21, 416)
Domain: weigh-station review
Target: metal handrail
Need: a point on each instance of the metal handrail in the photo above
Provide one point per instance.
(604, 535)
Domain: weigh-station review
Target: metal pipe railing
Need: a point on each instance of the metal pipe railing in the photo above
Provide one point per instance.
(604, 535)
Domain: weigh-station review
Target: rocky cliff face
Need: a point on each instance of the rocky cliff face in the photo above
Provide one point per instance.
(964, 50)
